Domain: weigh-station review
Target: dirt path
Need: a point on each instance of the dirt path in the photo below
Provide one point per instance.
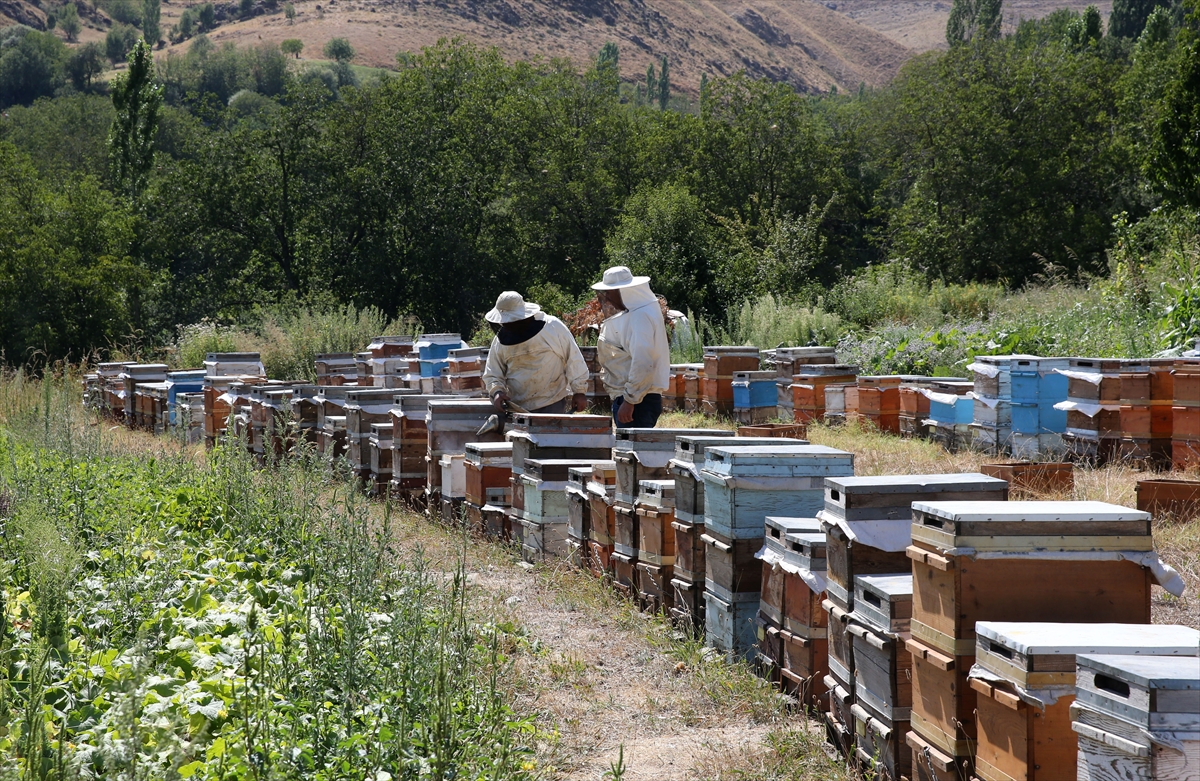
(604, 678)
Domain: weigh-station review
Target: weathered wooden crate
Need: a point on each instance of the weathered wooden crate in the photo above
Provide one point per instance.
(1025, 676)
(720, 364)
(625, 531)
(789, 361)
(655, 591)
(839, 721)
(882, 672)
(579, 512)
(453, 511)
(656, 537)
(881, 748)
(689, 550)
(643, 454)
(731, 566)
(868, 521)
(804, 667)
(730, 624)
(686, 465)
(488, 467)
(624, 573)
(543, 541)
(930, 763)
(1178, 500)
(743, 485)
(778, 558)
(841, 658)
(1136, 717)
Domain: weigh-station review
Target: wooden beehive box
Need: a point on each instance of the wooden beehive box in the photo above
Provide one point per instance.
(777, 557)
(730, 624)
(1178, 500)
(453, 475)
(804, 644)
(720, 364)
(488, 469)
(579, 511)
(450, 424)
(625, 549)
(656, 537)
(545, 482)
(644, 454)
(1137, 717)
(685, 467)
(1022, 545)
(743, 485)
(601, 488)
(656, 494)
(1025, 676)
(868, 521)
(535, 436)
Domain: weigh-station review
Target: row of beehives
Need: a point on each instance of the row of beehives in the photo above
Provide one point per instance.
(1138, 410)
(911, 611)
(679, 521)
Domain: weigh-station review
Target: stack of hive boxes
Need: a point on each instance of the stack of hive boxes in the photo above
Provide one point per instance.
(488, 468)
(112, 388)
(693, 387)
(775, 556)
(1185, 415)
(453, 487)
(720, 364)
(882, 674)
(875, 400)
(542, 531)
(655, 509)
(1135, 716)
(184, 381)
(433, 352)
(673, 398)
(388, 360)
(1036, 385)
(687, 603)
(951, 412)
(221, 372)
(189, 417)
(787, 362)
(579, 515)
(336, 369)
(133, 375)
(450, 424)
(365, 407)
(794, 585)
(914, 411)
(1025, 681)
(410, 443)
(583, 438)
(755, 397)
(331, 420)
(742, 486)
(868, 526)
(992, 424)
(1093, 407)
(1147, 391)
(464, 371)
(808, 389)
(640, 454)
(601, 495)
(1086, 562)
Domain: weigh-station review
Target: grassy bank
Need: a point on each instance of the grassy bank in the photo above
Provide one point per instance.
(175, 616)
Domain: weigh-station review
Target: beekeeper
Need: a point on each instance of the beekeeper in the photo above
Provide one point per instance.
(534, 361)
(634, 357)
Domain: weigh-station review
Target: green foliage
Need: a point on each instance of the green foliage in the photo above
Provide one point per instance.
(770, 322)
(64, 136)
(151, 17)
(123, 11)
(1128, 17)
(119, 41)
(289, 11)
(292, 46)
(1085, 31)
(1175, 155)
(339, 50)
(85, 64)
(208, 619)
(973, 20)
(664, 85)
(207, 17)
(608, 66)
(68, 21)
(30, 65)
(137, 96)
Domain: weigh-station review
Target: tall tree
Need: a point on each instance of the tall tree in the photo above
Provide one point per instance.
(972, 20)
(68, 20)
(1087, 30)
(664, 85)
(608, 66)
(1128, 17)
(651, 83)
(1175, 154)
(151, 16)
(137, 97)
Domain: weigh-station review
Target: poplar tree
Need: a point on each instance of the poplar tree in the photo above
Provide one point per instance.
(137, 97)
(664, 85)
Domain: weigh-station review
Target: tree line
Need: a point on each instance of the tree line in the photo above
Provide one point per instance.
(249, 179)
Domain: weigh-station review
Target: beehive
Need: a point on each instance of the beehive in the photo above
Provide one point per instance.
(601, 489)
(487, 469)
(720, 364)
(807, 389)
(1025, 678)
(450, 424)
(410, 441)
(882, 672)
(803, 638)
(534, 436)
(774, 555)
(544, 514)
(868, 521)
(983, 561)
(1135, 717)
(644, 454)
(579, 515)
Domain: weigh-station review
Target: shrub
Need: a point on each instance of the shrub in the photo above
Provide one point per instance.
(292, 46)
(339, 49)
(119, 41)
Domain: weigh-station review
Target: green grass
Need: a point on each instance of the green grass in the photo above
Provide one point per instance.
(175, 617)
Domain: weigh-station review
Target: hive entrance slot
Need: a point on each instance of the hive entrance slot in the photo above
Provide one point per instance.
(1112, 685)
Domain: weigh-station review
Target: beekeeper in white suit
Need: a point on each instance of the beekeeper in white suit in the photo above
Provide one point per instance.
(633, 353)
(534, 361)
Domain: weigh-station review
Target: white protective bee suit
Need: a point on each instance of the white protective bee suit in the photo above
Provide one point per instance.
(633, 353)
(540, 371)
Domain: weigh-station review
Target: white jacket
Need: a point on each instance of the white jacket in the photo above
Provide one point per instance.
(633, 353)
(539, 371)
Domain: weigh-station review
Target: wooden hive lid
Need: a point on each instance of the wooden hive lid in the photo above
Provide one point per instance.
(604, 472)
(688, 447)
(1172, 673)
(382, 429)
(370, 395)
(728, 350)
(489, 454)
(655, 438)
(896, 587)
(850, 486)
(755, 376)
(661, 488)
(553, 469)
(817, 459)
(1029, 511)
(560, 424)
(1044, 654)
(448, 459)
(779, 526)
(414, 404)
(579, 476)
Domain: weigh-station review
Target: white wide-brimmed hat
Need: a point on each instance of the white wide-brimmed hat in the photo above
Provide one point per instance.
(511, 307)
(618, 277)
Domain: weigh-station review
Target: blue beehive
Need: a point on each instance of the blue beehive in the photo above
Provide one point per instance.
(436, 347)
(188, 381)
(743, 485)
(432, 368)
(753, 390)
